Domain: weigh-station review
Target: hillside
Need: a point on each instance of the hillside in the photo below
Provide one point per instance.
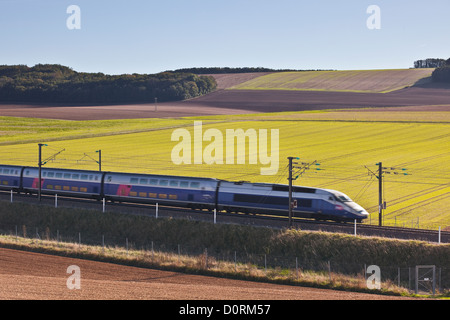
(373, 81)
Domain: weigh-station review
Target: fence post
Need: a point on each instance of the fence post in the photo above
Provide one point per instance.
(265, 263)
(329, 269)
(56, 200)
(11, 196)
(215, 214)
(156, 215)
(355, 229)
(104, 205)
(439, 235)
(152, 252)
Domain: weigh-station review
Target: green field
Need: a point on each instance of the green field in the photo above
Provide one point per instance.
(344, 146)
(348, 80)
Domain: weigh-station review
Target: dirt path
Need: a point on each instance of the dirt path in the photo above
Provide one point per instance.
(28, 275)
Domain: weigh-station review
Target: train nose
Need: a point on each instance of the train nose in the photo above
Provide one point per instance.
(359, 211)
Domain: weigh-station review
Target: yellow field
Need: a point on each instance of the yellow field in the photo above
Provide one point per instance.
(347, 80)
(344, 149)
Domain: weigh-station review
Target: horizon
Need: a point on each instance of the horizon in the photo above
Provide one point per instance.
(148, 37)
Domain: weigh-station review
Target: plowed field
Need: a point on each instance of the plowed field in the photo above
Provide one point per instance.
(27, 275)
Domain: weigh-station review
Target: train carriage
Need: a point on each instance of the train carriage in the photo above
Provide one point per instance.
(82, 183)
(10, 177)
(263, 198)
(171, 190)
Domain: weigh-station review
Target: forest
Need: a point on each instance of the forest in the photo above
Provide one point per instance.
(61, 84)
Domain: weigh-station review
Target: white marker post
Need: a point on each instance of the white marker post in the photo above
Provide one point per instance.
(439, 235)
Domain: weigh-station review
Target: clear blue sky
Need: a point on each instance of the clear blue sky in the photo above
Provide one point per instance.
(146, 36)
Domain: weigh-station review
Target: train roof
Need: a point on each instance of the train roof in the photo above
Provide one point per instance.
(161, 176)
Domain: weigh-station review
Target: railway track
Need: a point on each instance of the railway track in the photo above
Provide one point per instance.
(255, 220)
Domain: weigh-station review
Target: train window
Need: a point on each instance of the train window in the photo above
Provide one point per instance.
(163, 182)
(134, 180)
(109, 178)
(153, 182)
(50, 174)
(44, 174)
(58, 175)
(91, 177)
(6, 171)
(67, 175)
(75, 176)
(294, 189)
(195, 185)
(95, 178)
(173, 183)
(1, 170)
(27, 173)
(184, 184)
(143, 181)
(84, 177)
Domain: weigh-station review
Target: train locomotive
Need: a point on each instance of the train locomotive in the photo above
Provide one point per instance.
(186, 192)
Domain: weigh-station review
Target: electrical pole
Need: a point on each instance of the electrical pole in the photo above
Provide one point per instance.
(290, 189)
(301, 169)
(380, 194)
(41, 163)
(99, 159)
(40, 171)
(379, 175)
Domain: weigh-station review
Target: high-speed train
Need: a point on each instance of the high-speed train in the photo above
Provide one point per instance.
(188, 192)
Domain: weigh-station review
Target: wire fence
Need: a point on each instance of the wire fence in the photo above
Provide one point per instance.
(289, 267)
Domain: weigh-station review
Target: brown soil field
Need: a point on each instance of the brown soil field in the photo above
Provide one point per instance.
(228, 80)
(36, 276)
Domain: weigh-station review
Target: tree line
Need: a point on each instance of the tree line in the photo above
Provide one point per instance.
(57, 83)
(442, 74)
(222, 70)
(429, 63)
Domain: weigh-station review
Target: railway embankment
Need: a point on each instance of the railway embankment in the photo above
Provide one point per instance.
(273, 251)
